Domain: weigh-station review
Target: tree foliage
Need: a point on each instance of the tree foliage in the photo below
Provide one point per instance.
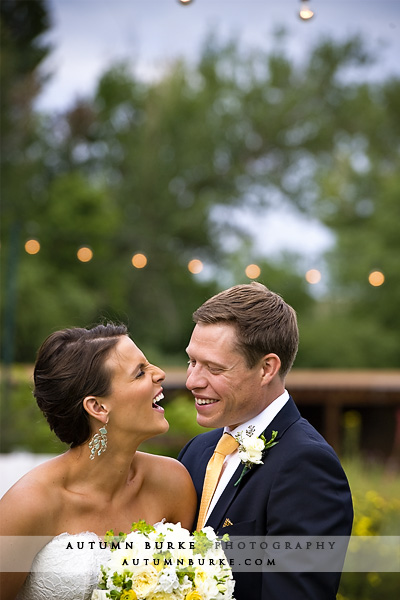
(161, 167)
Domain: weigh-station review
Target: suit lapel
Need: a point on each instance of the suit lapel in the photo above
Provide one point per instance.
(283, 420)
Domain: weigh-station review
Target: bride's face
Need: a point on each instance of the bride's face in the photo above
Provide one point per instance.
(135, 390)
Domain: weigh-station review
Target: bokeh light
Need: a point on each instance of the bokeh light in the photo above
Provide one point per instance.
(32, 247)
(305, 11)
(252, 271)
(84, 254)
(139, 260)
(376, 278)
(313, 276)
(195, 266)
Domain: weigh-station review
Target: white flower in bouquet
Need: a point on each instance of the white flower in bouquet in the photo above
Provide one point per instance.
(212, 578)
(131, 551)
(144, 580)
(175, 538)
(173, 531)
(99, 595)
(210, 533)
(169, 583)
(168, 580)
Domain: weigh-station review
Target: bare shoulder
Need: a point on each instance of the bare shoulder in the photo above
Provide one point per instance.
(27, 507)
(164, 468)
(170, 480)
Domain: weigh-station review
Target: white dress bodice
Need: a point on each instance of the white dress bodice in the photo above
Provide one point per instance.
(60, 572)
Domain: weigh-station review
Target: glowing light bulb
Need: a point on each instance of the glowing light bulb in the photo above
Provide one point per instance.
(184, 1)
(139, 260)
(32, 247)
(252, 271)
(313, 276)
(195, 266)
(305, 11)
(84, 254)
(376, 278)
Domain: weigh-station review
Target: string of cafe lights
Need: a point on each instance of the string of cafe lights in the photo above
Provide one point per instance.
(195, 266)
(84, 254)
(305, 12)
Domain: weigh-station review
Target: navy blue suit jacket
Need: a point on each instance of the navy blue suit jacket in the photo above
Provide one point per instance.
(299, 490)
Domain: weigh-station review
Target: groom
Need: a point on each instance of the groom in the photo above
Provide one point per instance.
(242, 347)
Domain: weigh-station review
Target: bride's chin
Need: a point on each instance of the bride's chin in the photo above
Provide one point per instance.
(166, 426)
(163, 427)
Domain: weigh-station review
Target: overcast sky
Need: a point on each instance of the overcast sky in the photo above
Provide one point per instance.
(89, 35)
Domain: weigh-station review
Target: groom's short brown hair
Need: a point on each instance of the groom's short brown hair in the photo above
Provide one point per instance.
(265, 323)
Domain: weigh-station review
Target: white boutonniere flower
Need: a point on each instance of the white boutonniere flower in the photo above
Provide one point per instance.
(252, 448)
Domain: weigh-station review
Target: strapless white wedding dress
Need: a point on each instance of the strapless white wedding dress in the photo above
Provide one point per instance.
(67, 568)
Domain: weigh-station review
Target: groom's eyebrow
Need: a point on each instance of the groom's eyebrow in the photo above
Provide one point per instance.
(217, 365)
(211, 363)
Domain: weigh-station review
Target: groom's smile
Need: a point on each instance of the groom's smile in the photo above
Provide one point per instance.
(204, 401)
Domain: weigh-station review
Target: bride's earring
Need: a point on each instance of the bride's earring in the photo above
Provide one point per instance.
(98, 443)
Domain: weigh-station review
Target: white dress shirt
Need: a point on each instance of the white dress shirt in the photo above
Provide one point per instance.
(231, 462)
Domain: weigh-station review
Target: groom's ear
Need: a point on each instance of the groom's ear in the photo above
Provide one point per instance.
(271, 363)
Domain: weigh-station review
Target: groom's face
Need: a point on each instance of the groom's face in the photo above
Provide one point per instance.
(226, 391)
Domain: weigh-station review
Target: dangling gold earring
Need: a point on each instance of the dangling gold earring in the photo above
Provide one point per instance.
(98, 443)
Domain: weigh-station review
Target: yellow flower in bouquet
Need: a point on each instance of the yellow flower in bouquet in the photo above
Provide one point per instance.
(128, 595)
(193, 595)
(144, 580)
(164, 596)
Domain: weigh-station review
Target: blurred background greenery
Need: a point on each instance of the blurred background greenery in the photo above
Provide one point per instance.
(162, 168)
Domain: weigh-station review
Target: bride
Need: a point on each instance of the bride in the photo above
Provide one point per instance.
(100, 395)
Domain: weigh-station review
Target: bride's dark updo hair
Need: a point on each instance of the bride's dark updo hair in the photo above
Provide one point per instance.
(70, 365)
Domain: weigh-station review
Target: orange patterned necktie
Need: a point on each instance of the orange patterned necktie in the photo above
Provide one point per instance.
(226, 445)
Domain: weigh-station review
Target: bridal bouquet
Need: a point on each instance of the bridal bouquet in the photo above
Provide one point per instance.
(165, 562)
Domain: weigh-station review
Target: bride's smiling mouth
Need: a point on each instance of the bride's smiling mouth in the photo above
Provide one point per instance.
(156, 399)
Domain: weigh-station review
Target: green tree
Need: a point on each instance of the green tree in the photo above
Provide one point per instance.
(359, 200)
(22, 25)
(163, 167)
(22, 51)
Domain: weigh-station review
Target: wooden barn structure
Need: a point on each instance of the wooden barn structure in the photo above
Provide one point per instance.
(348, 407)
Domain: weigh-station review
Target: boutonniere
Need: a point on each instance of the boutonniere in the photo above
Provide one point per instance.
(252, 449)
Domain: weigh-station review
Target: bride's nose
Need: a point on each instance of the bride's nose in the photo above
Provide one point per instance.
(158, 374)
